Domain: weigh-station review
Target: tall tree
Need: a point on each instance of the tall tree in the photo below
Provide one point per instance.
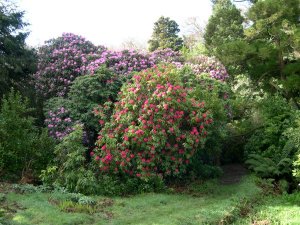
(17, 61)
(224, 26)
(165, 35)
(273, 43)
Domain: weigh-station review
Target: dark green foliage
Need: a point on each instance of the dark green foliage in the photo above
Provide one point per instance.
(70, 169)
(23, 147)
(17, 61)
(165, 35)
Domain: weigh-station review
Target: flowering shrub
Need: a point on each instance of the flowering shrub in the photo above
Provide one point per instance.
(155, 129)
(123, 62)
(59, 123)
(60, 61)
(166, 56)
(210, 65)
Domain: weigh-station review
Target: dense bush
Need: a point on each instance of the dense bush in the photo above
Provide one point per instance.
(155, 129)
(60, 61)
(23, 148)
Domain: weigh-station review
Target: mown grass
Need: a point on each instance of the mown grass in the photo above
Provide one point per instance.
(208, 203)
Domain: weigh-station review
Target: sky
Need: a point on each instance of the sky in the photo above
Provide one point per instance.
(107, 22)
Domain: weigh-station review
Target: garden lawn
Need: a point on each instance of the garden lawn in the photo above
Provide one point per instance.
(206, 203)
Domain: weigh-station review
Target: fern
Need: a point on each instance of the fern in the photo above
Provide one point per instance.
(266, 167)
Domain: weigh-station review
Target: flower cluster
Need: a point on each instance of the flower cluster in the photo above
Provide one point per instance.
(166, 56)
(155, 129)
(210, 65)
(123, 62)
(60, 61)
(59, 123)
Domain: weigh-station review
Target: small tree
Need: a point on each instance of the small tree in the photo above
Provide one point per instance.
(165, 35)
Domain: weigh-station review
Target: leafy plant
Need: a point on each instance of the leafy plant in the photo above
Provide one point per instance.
(71, 168)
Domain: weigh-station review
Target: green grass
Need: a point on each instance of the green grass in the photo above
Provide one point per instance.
(282, 209)
(207, 203)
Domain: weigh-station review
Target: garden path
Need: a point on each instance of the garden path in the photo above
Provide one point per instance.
(233, 173)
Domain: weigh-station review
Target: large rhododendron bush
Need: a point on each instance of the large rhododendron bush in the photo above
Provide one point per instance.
(155, 129)
(60, 61)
